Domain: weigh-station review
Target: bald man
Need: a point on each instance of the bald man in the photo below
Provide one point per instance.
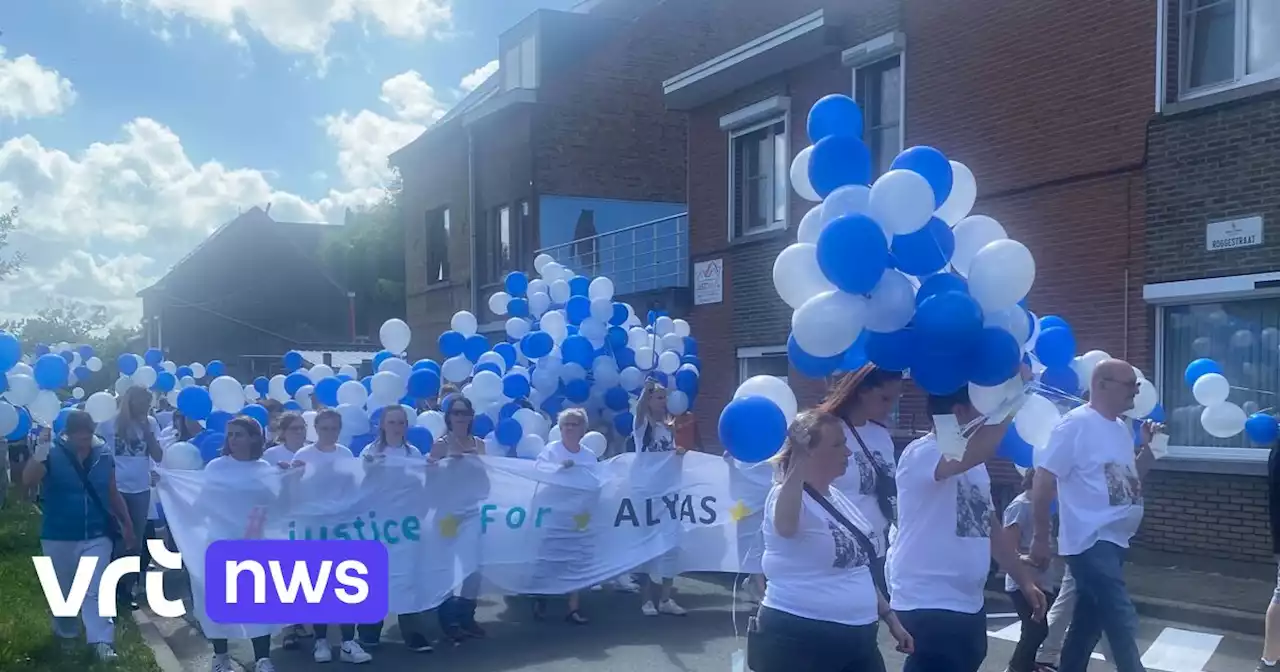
(1091, 465)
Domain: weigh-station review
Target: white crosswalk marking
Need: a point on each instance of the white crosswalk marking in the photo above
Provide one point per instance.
(1180, 651)
(1011, 633)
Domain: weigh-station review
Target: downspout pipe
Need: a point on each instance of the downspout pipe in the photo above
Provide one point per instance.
(473, 226)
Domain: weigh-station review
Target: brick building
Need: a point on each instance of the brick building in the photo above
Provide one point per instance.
(568, 149)
(1212, 253)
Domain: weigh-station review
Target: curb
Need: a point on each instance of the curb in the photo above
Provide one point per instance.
(165, 658)
(1205, 616)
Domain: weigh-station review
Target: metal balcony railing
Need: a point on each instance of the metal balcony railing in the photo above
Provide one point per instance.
(647, 256)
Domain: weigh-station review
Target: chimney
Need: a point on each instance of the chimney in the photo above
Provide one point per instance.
(268, 210)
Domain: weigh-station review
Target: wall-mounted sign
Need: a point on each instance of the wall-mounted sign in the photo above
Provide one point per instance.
(1233, 233)
(708, 282)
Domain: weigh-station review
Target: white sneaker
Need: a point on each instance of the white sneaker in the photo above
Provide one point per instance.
(648, 609)
(670, 608)
(264, 665)
(105, 652)
(323, 652)
(352, 653)
(222, 663)
(626, 584)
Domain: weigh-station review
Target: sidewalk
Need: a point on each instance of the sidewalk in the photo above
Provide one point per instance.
(1219, 594)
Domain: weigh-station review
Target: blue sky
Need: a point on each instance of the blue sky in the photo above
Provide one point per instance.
(129, 129)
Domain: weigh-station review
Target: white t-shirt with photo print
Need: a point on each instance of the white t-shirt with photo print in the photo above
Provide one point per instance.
(822, 572)
(859, 480)
(1099, 492)
(942, 554)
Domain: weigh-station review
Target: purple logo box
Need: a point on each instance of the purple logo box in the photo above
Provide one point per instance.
(271, 581)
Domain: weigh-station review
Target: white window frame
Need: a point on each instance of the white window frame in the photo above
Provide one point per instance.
(748, 120)
(871, 54)
(1241, 77)
(514, 62)
(745, 354)
(1191, 292)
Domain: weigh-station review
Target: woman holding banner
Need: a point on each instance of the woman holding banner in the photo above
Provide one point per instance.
(821, 607)
(562, 548)
(863, 399)
(291, 434)
(655, 432)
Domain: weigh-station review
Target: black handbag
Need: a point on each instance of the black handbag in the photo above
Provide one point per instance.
(886, 484)
(114, 531)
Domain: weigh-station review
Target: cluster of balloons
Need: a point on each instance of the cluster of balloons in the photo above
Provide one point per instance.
(31, 383)
(1221, 418)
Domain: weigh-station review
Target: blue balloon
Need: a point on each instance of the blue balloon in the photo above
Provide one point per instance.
(82, 374)
(292, 405)
(293, 360)
(1061, 378)
(508, 353)
(692, 360)
(925, 251)
(1050, 321)
(326, 391)
(486, 366)
(617, 399)
(165, 382)
(262, 385)
(939, 373)
(1156, 414)
(939, 283)
(620, 314)
(217, 421)
(127, 363)
(856, 356)
(153, 357)
(51, 372)
(381, 357)
(1198, 368)
(209, 443)
(690, 345)
(423, 384)
(537, 344)
(577, 309)
(625, 357)
(68, 355)
(687, 380)
(509, 432)
(475, 346)
(10, 351)
(553, 405)
(60, 422)
(429, 364)
(1013, 448)
(295, 382)
(577, 391)
(86, 351)
(517, 283)
(752, 429)
(23, 428)
(949, 318)
(420, 438)
(215, 369)
(362, 441)
(257, 412)
(852, 253)
(624, 423)
(930, 164)
(997, 357)
(195, 403)
(579, 285)
(1262, 429)
(482, 426)
(451, 343)
(807, 364)
(892, 351)
(838, 161)
(616, 337)
(578, 349)
(1056, 346)
(515, 386)
(518, 307)
(833, 115)
(508, 410)
(42, 349)
(183, 372)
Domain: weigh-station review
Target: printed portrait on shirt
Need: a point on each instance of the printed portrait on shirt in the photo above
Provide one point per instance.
(849, 553)
(973, 511)
(128, 445)
(1123, 485)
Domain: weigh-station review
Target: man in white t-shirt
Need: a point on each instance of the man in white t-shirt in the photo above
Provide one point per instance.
(1091, 467)
(948, 532)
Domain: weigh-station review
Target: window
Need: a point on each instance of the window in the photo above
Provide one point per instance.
(437, 245)
(760, 161)
(878, 90)
(520, 65)
(497, 245)
(1241, 335)
(1228, 43)
(763, 362)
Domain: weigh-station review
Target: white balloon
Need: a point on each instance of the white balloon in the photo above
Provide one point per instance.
(276, 389)
(76, 393)
(354, 419)
(227, 394)
(987, 399)
(1001, 274)
(22, 389)
(553, 434)
(464, 323)
(572, 371)
(44, 408)
(1013, 320)
(773, 389)
(169, 367)
(487, 385)
(595, 442)
(797, 276)
(829, 323)
(498, 303)
(529, 419)
(8, 418)
(964, 191)
(432, 421)
(1145, 401)
(601, 309)
(540, 262)
(645, 358)
(631, 378)
(123, 383)
(352, 393)
(663, 326)
(800, 176)
(853, 199)
(668, 362)
(197, 370)
(1223, 420)
(972, 234)
(673, 343)
(456, 369)
(551, 271)
(677, 402)
(682, 327)
(94, 364)
(545, 380)
(102, 406)
(1211, 389)
(250, 394)
(537, 286)
(309, 417)
(388, 385)
(144, 377)
(303, 395)
(348, 371)
(187, 381)
(811, 226)
(901, 201)
(494, 358)
(539, 303)
(637, 337)
(1087, 363)
(601, 288)
(182, 456)
(530, 447)
(397, 366)
(1036, 420)
(319, 372)
(559, 290)
(892, 303)
(172, 396)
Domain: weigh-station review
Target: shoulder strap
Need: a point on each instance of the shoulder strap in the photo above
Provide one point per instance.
(88, 487)
(861, 537)
(865, 451)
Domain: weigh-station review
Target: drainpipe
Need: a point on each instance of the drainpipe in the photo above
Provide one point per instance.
(471, 218)
(351, 314)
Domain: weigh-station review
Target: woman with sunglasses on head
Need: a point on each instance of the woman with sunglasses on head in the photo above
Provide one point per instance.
(656, 432)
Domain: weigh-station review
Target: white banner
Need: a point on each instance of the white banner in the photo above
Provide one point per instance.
(526, 527)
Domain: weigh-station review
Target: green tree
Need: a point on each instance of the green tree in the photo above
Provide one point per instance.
(8, 224)
(77, 323)
(367, 253)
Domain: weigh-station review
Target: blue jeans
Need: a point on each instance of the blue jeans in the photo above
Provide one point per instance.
(1102, 606)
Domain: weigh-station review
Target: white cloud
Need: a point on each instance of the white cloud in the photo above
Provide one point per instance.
(478, 76)
(364, 142)
(28, 89)
(411, 98)
(306, 26)
(104, 223)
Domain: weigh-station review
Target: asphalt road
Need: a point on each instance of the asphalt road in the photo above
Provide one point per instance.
(620, 639)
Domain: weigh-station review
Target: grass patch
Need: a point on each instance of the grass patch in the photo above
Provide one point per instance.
(27, 643)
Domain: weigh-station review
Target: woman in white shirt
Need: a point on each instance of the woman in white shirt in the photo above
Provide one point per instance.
(562, 544)
(821, 607)
(863, 400)
(133, 438)
(655, 433)
(291, 433)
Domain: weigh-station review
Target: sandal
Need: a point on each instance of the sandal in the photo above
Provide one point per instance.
(576, 618)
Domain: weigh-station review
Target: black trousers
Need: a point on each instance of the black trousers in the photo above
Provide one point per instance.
(1033, 632)
(348, 631)
(371, 633)
(784, 642)
(261, 646)
(946, 641)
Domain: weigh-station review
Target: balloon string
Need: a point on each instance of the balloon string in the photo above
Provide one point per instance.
(1041, 387)
(1250, 389)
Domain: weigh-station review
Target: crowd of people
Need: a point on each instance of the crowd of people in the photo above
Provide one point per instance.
(853, 535)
